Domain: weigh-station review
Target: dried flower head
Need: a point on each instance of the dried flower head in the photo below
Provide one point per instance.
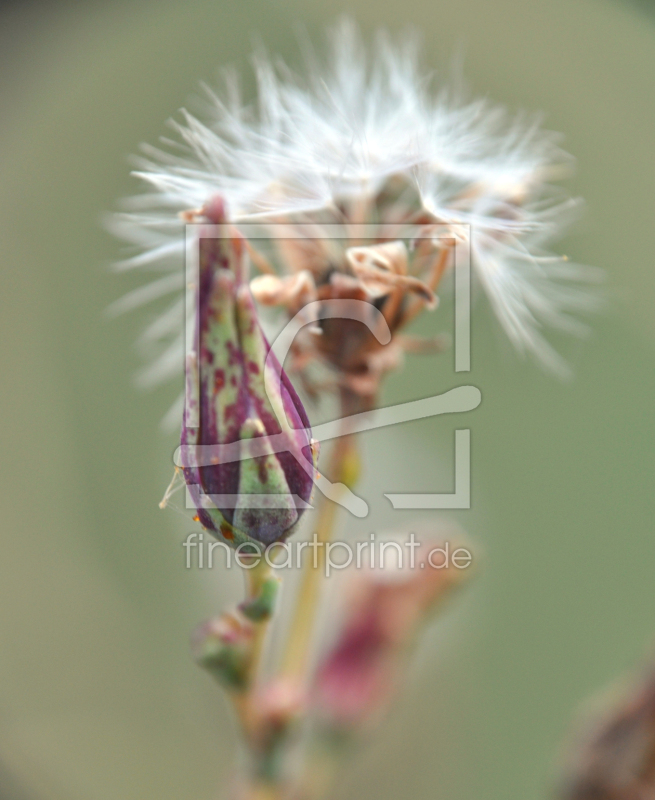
(363, 139)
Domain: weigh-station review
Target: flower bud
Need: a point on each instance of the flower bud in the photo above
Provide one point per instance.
(257, 495)
(223, 647)
(383, 610)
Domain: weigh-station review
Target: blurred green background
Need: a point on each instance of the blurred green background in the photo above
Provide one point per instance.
(98, 696)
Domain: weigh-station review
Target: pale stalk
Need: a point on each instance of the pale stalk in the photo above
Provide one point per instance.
(302, 626)
(341, 470)
(242, 698)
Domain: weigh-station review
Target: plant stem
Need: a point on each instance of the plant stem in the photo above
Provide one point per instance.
(301, 635)
(255, 580)
(342, 469)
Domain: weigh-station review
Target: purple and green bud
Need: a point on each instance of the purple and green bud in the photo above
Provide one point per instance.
(224, 647)
(261, 606)
(239, 394)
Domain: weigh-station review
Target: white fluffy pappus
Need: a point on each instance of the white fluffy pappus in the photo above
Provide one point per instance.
(309, 145)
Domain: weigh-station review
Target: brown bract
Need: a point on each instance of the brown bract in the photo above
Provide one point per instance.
(393, 279)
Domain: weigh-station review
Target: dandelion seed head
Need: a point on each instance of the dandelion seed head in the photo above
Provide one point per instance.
(321, 147)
